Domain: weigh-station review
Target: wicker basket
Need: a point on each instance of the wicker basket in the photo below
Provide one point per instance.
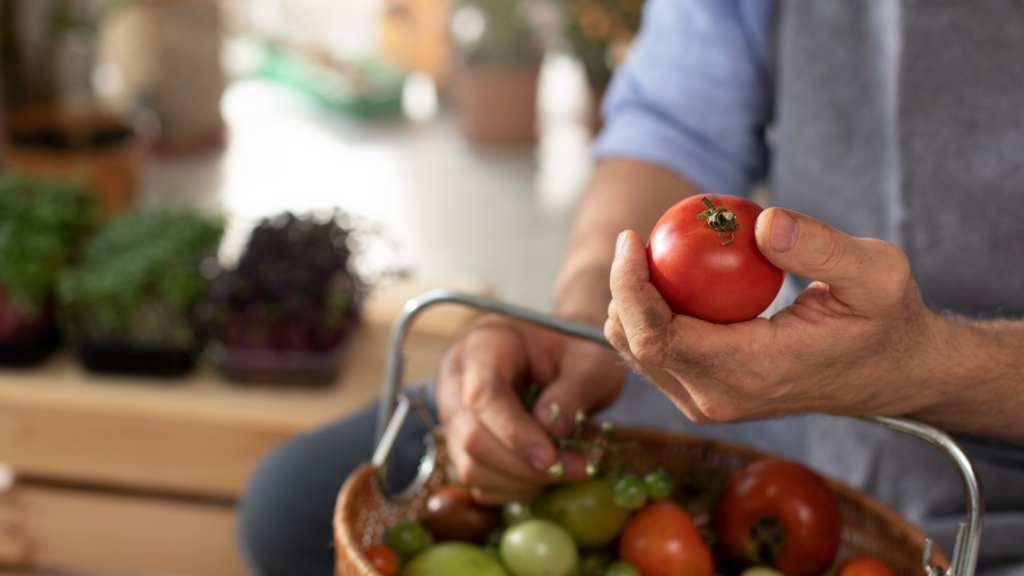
(364, 512)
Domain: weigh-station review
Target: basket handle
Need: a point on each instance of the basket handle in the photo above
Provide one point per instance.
(968, 539)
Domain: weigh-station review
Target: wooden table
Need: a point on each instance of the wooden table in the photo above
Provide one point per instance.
(137, 475)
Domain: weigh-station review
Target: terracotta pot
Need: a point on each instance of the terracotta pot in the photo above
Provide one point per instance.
(498, 105)
(40, 141)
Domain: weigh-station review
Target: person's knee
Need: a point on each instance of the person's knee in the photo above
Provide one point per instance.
(285, 513)
(271, 532)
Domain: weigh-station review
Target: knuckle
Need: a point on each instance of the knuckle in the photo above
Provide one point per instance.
(613, 332)
(464, 437)
(894, 274)
(647, 346)
(718, 409)
(470, 473)
(476, 396)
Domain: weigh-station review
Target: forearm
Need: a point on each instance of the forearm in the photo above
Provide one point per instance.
(623, 194)
(978, 378)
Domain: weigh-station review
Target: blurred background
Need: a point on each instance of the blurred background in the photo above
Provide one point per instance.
(212, 210)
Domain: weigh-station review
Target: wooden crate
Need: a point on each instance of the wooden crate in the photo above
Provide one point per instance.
(137, 475)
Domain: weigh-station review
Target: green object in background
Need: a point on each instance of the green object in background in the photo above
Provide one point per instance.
(139, 279)
(370, 88)
(508, 40)
(41, 225)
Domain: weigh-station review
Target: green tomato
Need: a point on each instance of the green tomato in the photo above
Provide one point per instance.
(538, 548)
(448, 558)
(621, 569)
(409, 538)
(587, 511)
(659, 484)
(630, 492)
(761, 571)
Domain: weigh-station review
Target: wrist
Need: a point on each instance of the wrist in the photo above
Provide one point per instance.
(583, 297)
(974, 366)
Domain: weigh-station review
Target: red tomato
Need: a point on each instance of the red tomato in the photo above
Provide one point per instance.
(452, 514)
(781, 514)
(382, 558)
(864, 566)
(661, 540)
(718, 275)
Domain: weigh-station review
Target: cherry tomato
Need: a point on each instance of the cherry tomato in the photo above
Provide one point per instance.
(587, 511)
(629, 492)
(661, 540)
(782, 514)
(864, 566)
(382, 558)
(659, 484)
(718, 275)
(538, 548)
(409, 538)
(452, 514)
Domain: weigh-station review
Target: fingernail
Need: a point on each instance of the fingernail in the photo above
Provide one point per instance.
(620, 243)
(538, 457)
(784, 231)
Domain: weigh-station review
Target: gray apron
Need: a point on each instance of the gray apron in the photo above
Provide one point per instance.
(902, 121)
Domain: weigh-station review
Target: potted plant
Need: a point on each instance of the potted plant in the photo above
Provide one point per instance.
(498, 63)
(127, 306)
(285, 312)
(599, 33)
(55, 122)
(42, 225)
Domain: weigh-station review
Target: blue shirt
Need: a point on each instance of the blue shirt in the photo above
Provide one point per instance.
(694, 94)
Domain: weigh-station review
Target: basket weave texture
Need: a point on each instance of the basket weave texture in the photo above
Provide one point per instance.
(362, 515)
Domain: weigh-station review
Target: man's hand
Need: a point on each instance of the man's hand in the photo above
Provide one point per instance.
(855, 342)
(502, 452)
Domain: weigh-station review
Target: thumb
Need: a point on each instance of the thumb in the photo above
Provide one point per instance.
(852, 267)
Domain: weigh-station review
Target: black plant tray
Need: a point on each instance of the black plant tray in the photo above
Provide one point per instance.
(26, 352)
(112, 359)
(278, 367)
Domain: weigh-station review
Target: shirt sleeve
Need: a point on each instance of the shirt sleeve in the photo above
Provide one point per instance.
(694, 93)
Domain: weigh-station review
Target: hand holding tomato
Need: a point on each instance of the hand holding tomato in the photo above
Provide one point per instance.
(854, 342)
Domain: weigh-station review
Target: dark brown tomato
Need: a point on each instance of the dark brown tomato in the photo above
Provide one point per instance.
(452, 514)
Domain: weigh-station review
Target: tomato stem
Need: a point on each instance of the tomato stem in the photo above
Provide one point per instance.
(767, 540)
(720, 220)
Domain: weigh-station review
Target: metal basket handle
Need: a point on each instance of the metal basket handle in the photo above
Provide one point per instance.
(394, 407)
